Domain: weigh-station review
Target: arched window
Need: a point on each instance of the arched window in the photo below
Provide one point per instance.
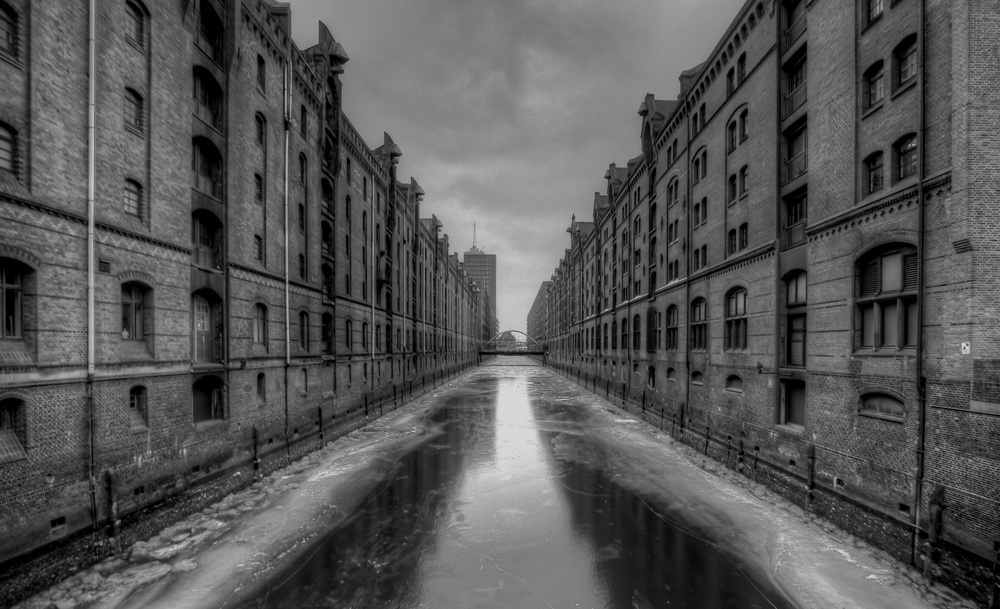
(261, 72)
(873, 173)
(904, 59)
(261, 388)
(135, 25)
(736, 320)
(8, 147)
(697, 378)
(672, 317)
(883, 404)
(206, 162)
(304, 331)
(671, 375)
(734, 383)
(134, 115)
(260, 324)
(699, 324)
(731, 136)
(886, 300)
(731, 241)
(651, 377)
(12, 275)
(744, 125)
(744, 235)
(328, 283)
(206, 236)
(348, 335)
(133, 311)
(636, 340)
(210, 32)
(328, 337)
(206, 320)
(624, 333)
(132, 198)
(906, 156)
(208, 98)
(137, 407)
(873, 86)
(605, 337)
(260, 129)
(614, 334)
(364, 337)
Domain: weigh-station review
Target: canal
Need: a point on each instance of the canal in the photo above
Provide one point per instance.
(510, 502)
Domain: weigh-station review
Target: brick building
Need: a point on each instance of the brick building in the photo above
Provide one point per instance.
(209, 268)
(799, 271)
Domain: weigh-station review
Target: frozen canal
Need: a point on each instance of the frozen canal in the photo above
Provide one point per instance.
(510, 487)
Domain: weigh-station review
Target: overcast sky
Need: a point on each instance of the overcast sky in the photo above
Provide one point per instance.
(508, 112)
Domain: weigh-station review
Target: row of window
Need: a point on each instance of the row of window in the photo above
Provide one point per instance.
(885, 311)
(904, 164)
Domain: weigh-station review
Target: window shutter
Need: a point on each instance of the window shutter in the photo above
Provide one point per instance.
(869, 279)
(910, 272)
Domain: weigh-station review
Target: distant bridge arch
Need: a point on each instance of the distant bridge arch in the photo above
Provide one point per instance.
(499, 345)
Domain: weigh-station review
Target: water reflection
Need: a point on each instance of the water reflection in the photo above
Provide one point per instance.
(485, 515)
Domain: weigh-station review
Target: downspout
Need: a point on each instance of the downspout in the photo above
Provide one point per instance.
(286, 95)
(687, 277)
(919, 367)
(371, 284)
(91, 209)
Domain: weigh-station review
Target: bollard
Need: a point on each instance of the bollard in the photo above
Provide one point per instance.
(319, 421)
(729, 441)
(739, 458)
(756, 456)
(256, 453)
(706, 439)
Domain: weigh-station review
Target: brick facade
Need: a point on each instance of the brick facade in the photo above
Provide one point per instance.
(223, 281)
(855, 211)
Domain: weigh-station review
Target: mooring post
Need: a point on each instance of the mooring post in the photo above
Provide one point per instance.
(256, 449)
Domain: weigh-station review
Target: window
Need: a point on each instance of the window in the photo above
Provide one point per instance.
(796, 160)
(348, 335)
(258, 248)
(132, 311)
(206, 400)
(697, 378)
(744, 236)
(730, 81)
(302, 218)
(906, 156)
(873, 173)
(208, 98)
(132, 201)
(206, 163)
(704, 163)
(133, 110)
(364, 337)
(731, 241)
(671, 375)
(732, 188)
(206, 321)
(303, 121)
(261, 73)
(731, 137)
(13, 436)
(736, 320)
(741, 69)
(210, 32)
(636, 340)
(261, 388)
(734, 383)
(135, 25)
(793, 404)
(874, 86)
(905, 58)
(672, 319)
(744, 125)
(207, 240)
(651, 377)
(744, 176)
(624, 334)
(11, 286)
(303, 170)
(302, 266)
(795, 301)
(260, 130)
(605, 337)
(260, 324)
(304, 331)
(137, 407)
(882, 404)
(614, 334)
(886, 300)
(8, 147)
(874, 10)
(699, 325)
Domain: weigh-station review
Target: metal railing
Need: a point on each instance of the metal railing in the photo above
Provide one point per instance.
(794, 99)
(793, 32)
(794, 234)
(796, 166)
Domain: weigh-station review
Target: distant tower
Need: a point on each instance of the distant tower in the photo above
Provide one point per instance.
(482, 268)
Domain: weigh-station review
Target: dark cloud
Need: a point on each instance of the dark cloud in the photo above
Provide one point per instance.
(508, 112)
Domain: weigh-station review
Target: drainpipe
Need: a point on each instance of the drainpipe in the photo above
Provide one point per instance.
(286, 94)
(372, 287)
(91, 189)
(687, 278)
(919, 367)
